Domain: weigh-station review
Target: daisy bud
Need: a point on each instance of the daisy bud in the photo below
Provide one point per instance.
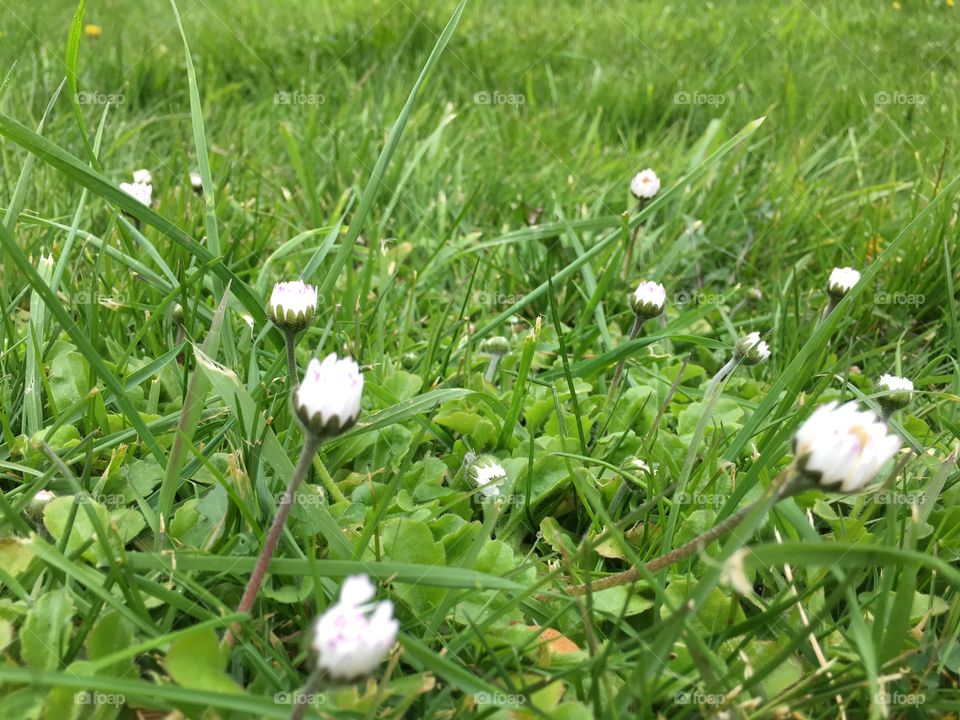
(842, 448)
(640, 466)
(141, 192)
(487, 474)
(645, 184)
(495, 346)
(751, 350)
(328, 400)
(292, 305)
(900, 392)
(35, 507)
(143, 177)
(648, 299)
(355, 634)
(196, 182)
(841, 281)
(754, 294)
(409, 360)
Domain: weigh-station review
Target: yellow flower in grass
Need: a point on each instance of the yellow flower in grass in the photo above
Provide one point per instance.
(92, 31)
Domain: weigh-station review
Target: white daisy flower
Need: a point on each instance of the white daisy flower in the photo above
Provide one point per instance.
(899, 392)
(842, 281)
(648, 299)
(143, 177)
(645, 184)
(328, 400)
(488, 475)
(751, 350)
(843, 447)
(292, 305)
(355, 634)
(141, 192)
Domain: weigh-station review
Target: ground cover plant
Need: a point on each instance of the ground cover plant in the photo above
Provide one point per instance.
(437, 359)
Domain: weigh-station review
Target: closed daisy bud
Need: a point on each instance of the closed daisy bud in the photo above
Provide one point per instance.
(842, 281)
(327, 402)
(640, 466)
(645, 184)
(355, 634)
(648, 299)
(487, 474)
(35, 506)
(495, 346)
(143, 177)
(842, 448)
(292, 305)
(141, 192)
(750, 349)
(196, 182)
(899, 392)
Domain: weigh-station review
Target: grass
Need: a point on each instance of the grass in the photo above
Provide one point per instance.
(442, 188)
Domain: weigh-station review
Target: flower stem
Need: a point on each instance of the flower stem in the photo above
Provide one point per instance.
(492, 368)
(633, 239)
(721, 374)
(776, 491)
(829, 308)
(311, 443)
(291, 342)
(634, 331)
(310, 689)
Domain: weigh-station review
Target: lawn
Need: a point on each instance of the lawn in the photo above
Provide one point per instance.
(564, 495)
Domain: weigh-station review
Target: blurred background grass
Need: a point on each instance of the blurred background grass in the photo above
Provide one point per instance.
(298, 97)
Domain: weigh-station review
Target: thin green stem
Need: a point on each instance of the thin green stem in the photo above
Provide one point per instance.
(777, 490)
(302, 700)
(291, 342)
(311, 443)
(634, 331)
(633, 239)
(721, 374)
(492, 368)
